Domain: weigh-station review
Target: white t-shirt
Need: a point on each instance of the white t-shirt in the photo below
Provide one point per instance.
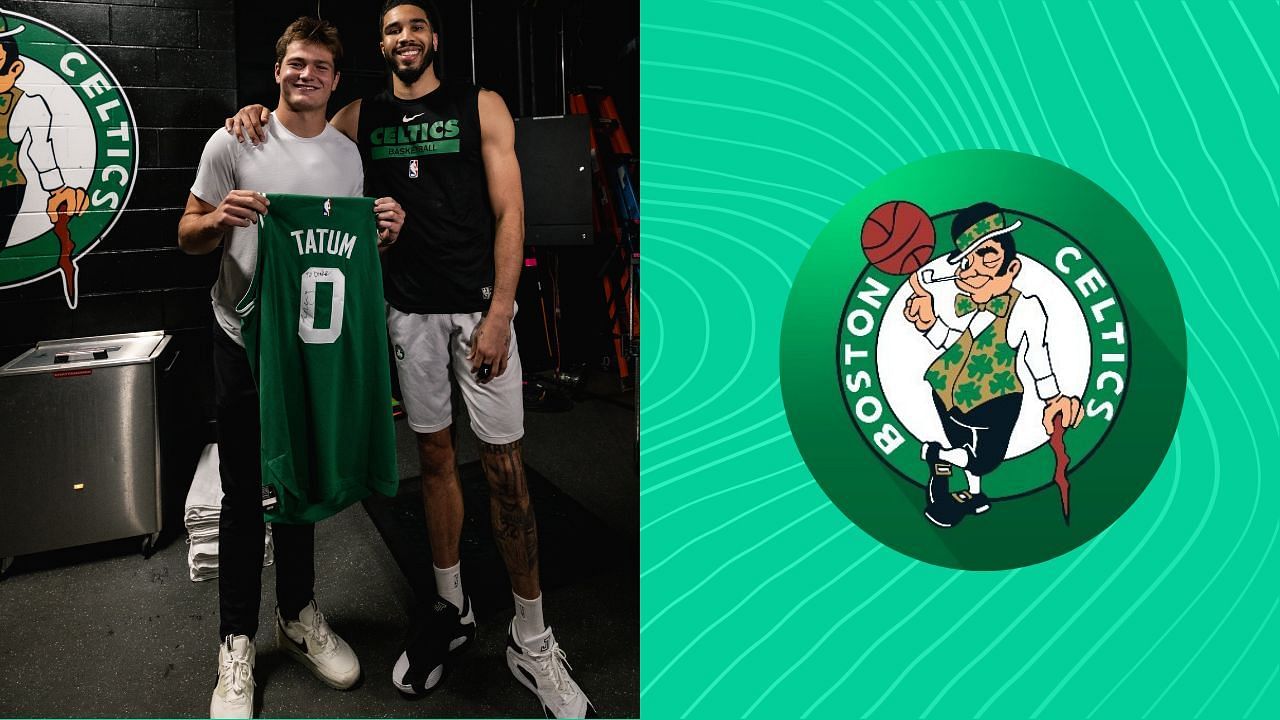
(327, 164)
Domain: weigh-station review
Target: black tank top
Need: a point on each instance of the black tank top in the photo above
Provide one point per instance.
(425, 153)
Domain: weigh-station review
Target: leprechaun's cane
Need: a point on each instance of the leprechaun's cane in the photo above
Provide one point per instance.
(66, 264)
(1059, 445)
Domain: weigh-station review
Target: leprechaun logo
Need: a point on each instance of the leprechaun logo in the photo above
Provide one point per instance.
(68, 153)
(983, 360)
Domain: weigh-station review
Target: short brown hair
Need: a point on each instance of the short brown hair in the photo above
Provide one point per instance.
(309, 29)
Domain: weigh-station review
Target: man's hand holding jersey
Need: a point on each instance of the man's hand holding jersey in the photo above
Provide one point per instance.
(240, 208)
(203, 226)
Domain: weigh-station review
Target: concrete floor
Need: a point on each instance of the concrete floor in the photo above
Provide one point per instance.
(99, 631)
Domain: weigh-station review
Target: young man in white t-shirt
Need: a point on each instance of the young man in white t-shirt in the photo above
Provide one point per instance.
(305, 156)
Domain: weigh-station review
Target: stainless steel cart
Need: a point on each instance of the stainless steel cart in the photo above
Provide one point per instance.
(79, 444)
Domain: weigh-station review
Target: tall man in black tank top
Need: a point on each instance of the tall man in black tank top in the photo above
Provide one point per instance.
(447, 152)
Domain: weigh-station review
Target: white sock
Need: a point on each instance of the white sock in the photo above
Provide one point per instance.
(955, 456)
(975, 482)
(529, 622)
(449, 583)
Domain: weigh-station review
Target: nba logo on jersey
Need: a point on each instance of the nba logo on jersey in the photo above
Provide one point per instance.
(413, 168)
(328, 207)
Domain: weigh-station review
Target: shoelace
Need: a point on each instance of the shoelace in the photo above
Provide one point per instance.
(554, 662)
(236, 673)
(321, 632)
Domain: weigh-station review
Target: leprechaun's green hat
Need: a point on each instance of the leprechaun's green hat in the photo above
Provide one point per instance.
(975, 225)
(4, 27)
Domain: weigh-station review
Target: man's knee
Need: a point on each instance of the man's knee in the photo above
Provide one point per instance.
(435, 452)
(504, 468)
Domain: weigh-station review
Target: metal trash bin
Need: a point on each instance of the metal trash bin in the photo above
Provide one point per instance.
(79, 444)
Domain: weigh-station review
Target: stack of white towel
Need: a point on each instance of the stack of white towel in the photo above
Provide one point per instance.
(204, 504)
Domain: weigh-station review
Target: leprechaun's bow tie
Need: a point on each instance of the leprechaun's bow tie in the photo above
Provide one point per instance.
(998, 305)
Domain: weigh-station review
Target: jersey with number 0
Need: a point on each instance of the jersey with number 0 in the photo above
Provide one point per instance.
(314, 327)
(327, 164)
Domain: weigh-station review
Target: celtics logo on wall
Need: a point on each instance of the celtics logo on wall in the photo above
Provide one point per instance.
(68, 153)
(983, 360)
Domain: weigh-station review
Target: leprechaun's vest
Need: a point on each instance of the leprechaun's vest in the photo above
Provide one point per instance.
(10, 171)
(975, 370)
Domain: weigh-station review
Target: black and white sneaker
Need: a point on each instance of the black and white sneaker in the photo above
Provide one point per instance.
(951, 509)
(541, 666)
(442, 632)
(311, 641)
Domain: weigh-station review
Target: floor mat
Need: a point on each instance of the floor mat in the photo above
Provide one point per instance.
(574, 546)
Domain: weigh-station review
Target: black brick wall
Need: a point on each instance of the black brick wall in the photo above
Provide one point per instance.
(176, 63)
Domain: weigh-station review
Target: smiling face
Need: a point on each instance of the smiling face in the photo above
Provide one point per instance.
(408, 42)
(306, 76)
(980, 271)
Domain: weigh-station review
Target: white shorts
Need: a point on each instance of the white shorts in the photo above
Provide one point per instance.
(423, 346)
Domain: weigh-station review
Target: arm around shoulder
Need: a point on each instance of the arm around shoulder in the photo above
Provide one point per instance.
(249, 123)
(347, 120)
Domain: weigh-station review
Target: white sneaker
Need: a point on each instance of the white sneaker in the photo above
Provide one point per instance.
(233, 695)
(541, 666)
(315, 645)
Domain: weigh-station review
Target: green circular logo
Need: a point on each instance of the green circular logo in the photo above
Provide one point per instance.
(983, 360)
(68, 152)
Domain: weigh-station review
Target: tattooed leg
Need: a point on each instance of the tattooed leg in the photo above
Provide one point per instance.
(511, 513)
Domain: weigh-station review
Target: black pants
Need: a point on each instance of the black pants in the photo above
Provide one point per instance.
(983, 432)
(241, 526)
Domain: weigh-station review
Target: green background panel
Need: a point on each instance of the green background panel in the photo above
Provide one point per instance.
(760, 122)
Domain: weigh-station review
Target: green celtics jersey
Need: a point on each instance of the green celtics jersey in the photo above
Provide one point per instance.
(314, 327)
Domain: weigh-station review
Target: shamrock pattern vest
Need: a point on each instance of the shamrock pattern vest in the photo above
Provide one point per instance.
(975, 370)
(10, 171)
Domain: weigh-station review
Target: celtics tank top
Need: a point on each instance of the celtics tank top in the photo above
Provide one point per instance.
(425, 153)
(314, 327)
